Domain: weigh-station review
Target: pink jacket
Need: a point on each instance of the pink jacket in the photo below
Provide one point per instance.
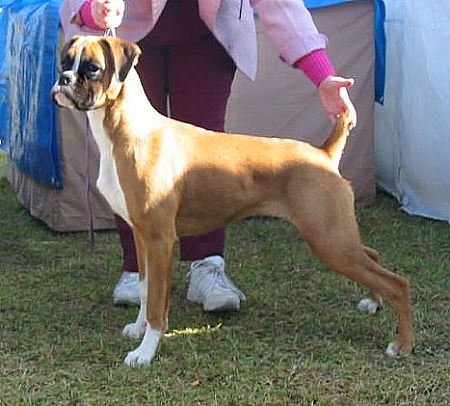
(287, 22)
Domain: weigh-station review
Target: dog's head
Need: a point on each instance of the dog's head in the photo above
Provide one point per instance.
(92, 71)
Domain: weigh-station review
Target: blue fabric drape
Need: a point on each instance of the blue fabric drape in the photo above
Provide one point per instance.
(28, 121)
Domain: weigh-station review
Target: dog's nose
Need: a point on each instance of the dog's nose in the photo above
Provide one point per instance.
(67, 77)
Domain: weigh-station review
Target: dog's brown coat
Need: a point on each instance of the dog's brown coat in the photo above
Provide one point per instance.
(181, 180)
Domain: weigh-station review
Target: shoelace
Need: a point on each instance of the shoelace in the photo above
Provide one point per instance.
(219, 278)
(127, 279)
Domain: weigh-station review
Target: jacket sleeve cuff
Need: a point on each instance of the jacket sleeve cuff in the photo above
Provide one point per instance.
(86, 17)
(316, 66)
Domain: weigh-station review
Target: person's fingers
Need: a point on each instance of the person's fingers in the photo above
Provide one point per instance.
(352, 117)
(343, 82)
(108, 13)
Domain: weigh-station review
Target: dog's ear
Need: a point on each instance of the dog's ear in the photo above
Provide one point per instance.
(125, 55)
(68, 45)
(131, 53)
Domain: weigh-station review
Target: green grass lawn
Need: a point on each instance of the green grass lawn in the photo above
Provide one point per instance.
(298, 340)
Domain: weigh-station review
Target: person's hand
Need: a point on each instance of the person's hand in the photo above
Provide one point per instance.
(335, 99)
(107, 13)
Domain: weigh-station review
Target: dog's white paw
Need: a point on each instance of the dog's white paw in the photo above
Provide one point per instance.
(146, 351)
(138, 357)
(134, 330)
(392, 351)
(368, 306)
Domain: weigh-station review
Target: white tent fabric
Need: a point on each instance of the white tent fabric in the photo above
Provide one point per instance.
(412, 128)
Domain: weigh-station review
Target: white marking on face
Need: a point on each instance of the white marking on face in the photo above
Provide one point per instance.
(77, 60)
(146, 350)
(56, 91)
(108, 181)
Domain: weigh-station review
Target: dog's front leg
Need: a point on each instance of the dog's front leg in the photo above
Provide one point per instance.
(143, 354)
(158, 278)
(137, 329)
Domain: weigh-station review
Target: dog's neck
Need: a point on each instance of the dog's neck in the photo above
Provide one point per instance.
(131, 109)
(132, 96)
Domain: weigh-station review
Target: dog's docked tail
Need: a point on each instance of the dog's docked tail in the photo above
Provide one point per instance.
(335, 143)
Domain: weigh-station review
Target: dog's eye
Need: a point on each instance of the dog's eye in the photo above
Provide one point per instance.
(66, 63)
(92, 68)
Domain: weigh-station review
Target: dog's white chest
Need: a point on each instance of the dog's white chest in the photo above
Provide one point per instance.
(108, 181)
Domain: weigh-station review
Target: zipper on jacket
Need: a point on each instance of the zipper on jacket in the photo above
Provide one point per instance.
(240, 10)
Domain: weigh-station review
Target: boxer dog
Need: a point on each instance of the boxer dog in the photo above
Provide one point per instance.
(169, 179)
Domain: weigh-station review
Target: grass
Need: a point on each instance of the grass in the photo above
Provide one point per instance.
(297, 341)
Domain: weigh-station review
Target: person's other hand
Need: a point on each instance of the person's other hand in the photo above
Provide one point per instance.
(107, 13)
(335, 99)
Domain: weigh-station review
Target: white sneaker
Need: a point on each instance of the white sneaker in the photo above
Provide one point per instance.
(209, 286)
(126, 291)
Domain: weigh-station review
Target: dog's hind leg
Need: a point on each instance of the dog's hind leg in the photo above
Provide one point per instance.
(401, 301)
(374, 301)
(327, 223)
(348, 259)
(346, 256)
(159, 246)
(374, 254)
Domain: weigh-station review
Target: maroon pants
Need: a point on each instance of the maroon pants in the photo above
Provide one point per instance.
(184, 71)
